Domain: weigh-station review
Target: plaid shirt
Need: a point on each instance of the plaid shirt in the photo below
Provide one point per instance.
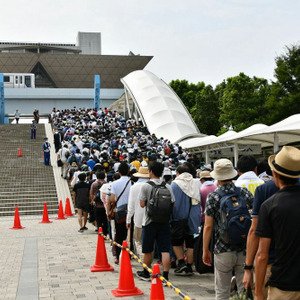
(212, 209)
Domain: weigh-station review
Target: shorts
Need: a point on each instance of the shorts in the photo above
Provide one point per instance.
(188, 239)
(159, 232)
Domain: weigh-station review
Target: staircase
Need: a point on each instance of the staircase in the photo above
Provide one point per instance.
(25, 181)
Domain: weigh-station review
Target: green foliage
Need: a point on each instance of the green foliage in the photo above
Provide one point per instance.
(242, 102)
(239, 102)
(206, 111)
(285, 93)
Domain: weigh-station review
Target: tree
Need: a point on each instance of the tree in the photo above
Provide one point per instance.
(285, 92)
(206, 111)
(186, 92)
(242, 103)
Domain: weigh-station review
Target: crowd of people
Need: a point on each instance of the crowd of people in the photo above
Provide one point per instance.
(119, 173)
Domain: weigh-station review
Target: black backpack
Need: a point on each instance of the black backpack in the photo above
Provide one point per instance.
(159, 207)
(73, 159)
(98, 199)
(235, 217)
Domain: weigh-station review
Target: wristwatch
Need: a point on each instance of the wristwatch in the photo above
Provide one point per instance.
(246, 267)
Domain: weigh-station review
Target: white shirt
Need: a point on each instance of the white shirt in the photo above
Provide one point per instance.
(134, 208)
(250, 181)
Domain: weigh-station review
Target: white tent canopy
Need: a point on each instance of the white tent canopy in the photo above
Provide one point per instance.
(276, 135)
(158, 107)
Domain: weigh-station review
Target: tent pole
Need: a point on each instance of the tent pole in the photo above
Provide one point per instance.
(276, 142)
(236, 153)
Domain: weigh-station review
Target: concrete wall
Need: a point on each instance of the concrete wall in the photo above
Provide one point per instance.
(27, 100)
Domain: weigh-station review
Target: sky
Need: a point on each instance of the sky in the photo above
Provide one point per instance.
(196, 40)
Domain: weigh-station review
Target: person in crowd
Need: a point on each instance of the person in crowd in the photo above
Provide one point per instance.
(81, 193)
(279, 221)
(46, 150)
(262, 193)
(96, 201)
(226, 256)
(186, 219)
(33, 131)
(119, 197)
(247, 170)
(208, 186)
(135, 210)
(154, 231)
(63, 154)
(17, 116)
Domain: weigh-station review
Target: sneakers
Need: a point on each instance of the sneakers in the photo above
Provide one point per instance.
(84, 228)
(189, 271)
(80, 230)
(144, 275)
(181, 269)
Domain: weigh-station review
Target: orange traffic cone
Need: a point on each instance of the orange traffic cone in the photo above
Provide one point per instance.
(101, 263)
(60, 212)
(68, 212)
(157, 292)
(126, 281)
(20, 152)
(17, 223)
(45, 215)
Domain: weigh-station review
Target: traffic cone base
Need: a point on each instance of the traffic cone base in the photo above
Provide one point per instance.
(126, 280)
(157, 292)
(68, 211)
(133, 292)
(17, 223)
(60, 212)
(101, 263)
(45, 215)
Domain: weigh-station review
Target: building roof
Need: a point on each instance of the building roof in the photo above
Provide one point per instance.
(72, 70)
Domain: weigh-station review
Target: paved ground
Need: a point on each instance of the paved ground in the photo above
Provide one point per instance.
(52, 261)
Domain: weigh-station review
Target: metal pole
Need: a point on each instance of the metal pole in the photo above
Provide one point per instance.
(97, 92)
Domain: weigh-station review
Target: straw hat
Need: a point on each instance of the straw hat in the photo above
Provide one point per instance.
(223, 170)
(286, 162)
(205, 174)
(142, 173)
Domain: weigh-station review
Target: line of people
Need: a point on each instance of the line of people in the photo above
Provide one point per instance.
(109, 162)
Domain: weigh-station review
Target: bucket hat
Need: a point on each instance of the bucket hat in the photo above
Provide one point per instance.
(204, 174)
(142, 173)
(286, 162)
(223, 170)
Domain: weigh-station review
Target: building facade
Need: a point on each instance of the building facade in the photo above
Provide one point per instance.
(58, 65)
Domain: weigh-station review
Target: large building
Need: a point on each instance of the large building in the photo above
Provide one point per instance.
(58, 65)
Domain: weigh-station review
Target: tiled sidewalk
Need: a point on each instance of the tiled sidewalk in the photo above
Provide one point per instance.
(53, 261)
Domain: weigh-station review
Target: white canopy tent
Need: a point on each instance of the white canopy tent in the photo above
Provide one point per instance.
(158, 107)
(276, 135)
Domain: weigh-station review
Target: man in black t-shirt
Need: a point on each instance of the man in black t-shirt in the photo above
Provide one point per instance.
(81, 192)
(279, 220)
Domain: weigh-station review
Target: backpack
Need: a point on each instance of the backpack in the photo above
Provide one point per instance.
(73, 159)
(235, 217)
(159, 207)
(98, 196)
(67, 154)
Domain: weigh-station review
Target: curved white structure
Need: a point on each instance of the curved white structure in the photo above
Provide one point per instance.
(158, 107)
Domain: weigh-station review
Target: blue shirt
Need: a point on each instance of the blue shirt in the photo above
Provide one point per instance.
(117, 188)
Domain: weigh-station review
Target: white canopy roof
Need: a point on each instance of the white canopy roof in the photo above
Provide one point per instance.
(279, 134)
(160, 109)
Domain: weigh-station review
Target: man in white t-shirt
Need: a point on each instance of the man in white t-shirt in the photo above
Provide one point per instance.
(134, 209)
(247, 168)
